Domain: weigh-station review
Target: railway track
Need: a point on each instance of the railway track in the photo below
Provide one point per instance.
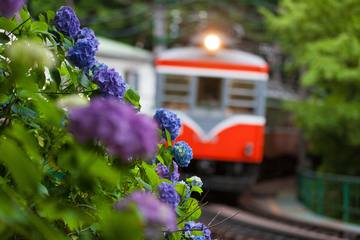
(239, 224)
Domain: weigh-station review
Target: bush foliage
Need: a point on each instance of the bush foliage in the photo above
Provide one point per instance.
(54, 186)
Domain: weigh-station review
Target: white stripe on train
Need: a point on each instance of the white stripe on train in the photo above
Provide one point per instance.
(194, 71)
(227, 123)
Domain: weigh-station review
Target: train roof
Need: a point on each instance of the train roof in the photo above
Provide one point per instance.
(231, 63)
(115, 49)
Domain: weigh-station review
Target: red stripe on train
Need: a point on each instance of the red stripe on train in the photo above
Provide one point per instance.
(212, 65)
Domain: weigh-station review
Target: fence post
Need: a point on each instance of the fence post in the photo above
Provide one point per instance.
(346, 203)
(320, 194)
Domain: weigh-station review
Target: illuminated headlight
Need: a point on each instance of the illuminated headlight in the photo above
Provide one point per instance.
(212, 42)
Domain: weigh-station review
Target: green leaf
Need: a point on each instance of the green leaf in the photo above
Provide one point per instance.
(149, 175)
(55, 76)
(196, 189)
(8, 24)
(181, 190)
(25, 18)
(50, 15)
(102, 170)
(192, 210)
(84, 81)
(39, 27)
(26, 173)
(168, 138)
(132, 97)
(38, 74)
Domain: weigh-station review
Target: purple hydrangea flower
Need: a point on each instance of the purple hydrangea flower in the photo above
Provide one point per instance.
(112, 123)
(89, 35)
(190, 228)
(164, 172)
(67, 22)
(109, 81)
(182, 153)
(8, 8)
(168, 194)
(153, 212)
(82, 54)
(169, 121)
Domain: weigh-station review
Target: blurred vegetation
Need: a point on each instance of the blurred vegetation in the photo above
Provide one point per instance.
(132, 21)
(323, 37)
(51, 186)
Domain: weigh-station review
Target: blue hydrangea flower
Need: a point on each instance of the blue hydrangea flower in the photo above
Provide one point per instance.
(8, 8)
(169, 121)
(198, 238)
(153, 212)
(89, 35)
(168, 194)
(67, 22)
(111, 122)
(109, 81)
(191, 227)
(182, 153)
(164, 172)
(82, 54)
(195, 181)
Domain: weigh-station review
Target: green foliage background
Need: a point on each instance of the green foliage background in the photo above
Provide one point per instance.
(323, 37)
(131, 20)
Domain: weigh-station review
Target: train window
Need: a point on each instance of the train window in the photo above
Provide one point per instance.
(132, 78)
(209, 92)
(176, 92)
(241, 97)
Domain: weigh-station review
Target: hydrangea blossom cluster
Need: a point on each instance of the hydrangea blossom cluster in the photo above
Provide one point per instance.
(164, 172)
(89, 35)
(82, 54)
(109, 81)
(112, 123)
(8, 8)
(182, 153)
(169, 121)
(168, 194)
(153, 212)
(67, 22)
(191, 227)
(195, 181)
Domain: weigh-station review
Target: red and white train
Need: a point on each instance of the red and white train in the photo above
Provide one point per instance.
(219, 94)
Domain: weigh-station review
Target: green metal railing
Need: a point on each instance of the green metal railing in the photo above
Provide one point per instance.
(330, 195)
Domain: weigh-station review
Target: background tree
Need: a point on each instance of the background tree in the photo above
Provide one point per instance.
(131, 21)
(323, 37)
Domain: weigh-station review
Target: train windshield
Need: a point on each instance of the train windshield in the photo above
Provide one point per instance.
(209, 92)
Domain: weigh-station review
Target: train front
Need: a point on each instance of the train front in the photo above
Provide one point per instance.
(219, 94)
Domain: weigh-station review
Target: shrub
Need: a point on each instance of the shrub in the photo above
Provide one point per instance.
(71, 164)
